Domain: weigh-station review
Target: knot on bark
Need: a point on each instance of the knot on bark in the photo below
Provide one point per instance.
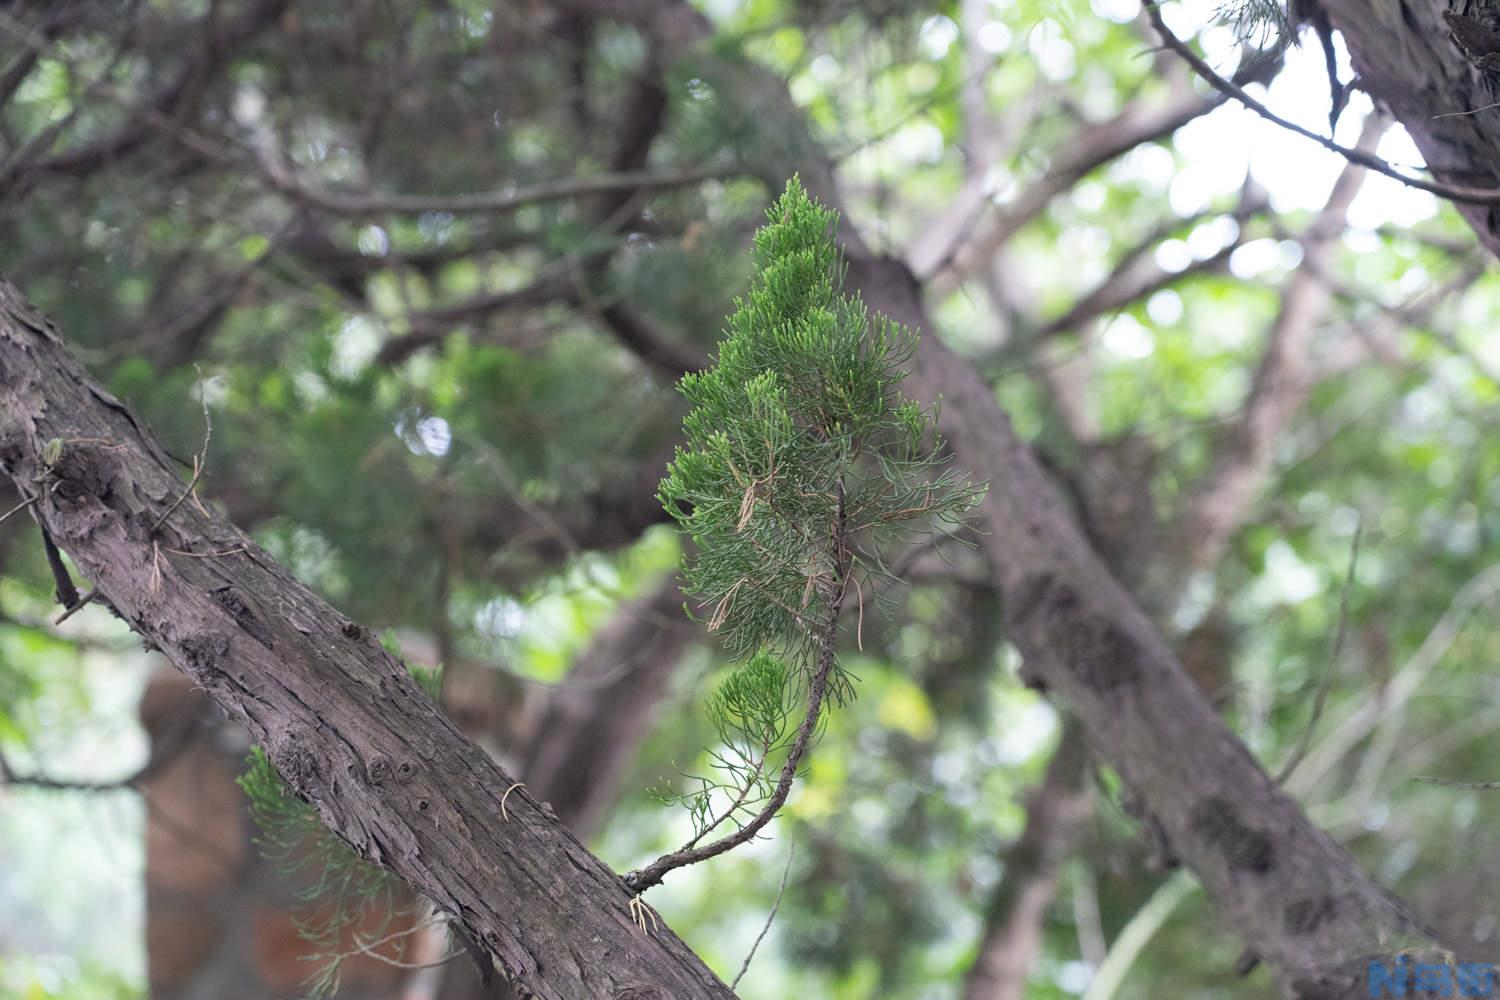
(378, 769)
(1244, 848)
(296, 764)
(1101, 654)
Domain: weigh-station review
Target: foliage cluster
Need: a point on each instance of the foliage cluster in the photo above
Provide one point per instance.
(803, 466)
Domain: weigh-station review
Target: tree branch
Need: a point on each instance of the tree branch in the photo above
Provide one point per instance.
(488, 202)
(344, 723)
(1362, 157)
(1218, 505)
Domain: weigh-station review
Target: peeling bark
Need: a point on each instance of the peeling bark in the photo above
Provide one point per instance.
(343, 722)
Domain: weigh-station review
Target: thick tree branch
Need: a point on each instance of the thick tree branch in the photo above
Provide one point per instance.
(343, 722)
(1407, 56)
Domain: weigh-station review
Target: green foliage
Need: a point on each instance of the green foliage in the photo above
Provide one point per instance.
(750, 707)
(338, 887)
(801, 451)
(803, 463)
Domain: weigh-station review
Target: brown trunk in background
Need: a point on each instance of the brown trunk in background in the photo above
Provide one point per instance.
(594, 723)
(1017, 917)
(220, 920)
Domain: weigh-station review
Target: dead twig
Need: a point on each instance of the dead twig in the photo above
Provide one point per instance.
(200, 460)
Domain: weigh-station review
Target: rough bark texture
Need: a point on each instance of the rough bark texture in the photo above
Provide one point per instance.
(1432, 63)
(591, 727)
(221, 922)
(344, 723)
(1299, 900)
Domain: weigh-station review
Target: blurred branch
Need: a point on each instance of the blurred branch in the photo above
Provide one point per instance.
(1217, 505)
(1137, 276)
(592, 725)
(1391, 698)
(1056, 812)
(967, 231)
(1361, 155)
(490, 202)
(211, 45)
(173, 741)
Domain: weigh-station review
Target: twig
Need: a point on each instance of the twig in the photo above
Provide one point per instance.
(640, 913)
(78, 606)
(200, 460)
(1461, 114)
(503, 814)
(1475, 196)
(173, 742)
(826, 636)
(1326, 681)
(17, 508)
(67, 594)
(780, 891)
(488, 202)
(859, 627)
(1473, 786)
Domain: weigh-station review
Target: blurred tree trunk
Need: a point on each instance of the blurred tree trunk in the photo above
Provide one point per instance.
(1436, 65)
(221, 920)
(1016, 919)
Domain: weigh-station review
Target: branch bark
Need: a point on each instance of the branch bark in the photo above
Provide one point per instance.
(343, 722)
(1408, 57)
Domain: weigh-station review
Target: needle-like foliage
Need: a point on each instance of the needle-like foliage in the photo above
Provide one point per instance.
(803, 463)
(1262, 24)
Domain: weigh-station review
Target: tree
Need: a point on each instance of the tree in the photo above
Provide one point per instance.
(439, 266)
(341, 721)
